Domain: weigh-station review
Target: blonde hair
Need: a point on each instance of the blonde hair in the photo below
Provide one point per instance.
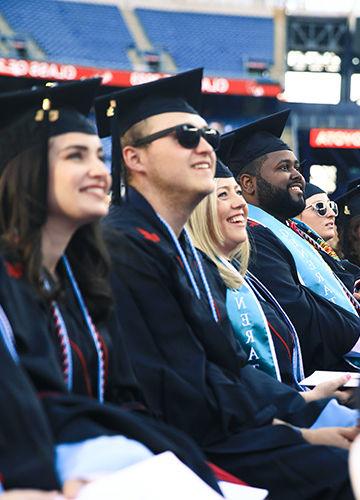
(206, 234)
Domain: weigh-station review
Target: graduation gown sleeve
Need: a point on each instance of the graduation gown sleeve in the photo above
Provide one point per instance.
(26, 440)
(75, 418)
(185, 380)
(326, 331)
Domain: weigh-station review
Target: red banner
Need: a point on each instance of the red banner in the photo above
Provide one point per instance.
(335, 138)
(120, 78)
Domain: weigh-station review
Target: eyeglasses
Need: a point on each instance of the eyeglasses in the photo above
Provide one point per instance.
(322, 207)
(187, 136)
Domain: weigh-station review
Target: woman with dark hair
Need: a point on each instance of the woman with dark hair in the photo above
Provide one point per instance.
(54, 290)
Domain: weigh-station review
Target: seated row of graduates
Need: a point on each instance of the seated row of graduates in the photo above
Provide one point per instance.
(158, 366)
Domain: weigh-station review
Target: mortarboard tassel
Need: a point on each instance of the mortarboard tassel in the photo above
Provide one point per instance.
(116, 163)
(45, 115)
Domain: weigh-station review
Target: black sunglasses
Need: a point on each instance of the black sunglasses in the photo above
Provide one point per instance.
(322, 207)
(187, 136)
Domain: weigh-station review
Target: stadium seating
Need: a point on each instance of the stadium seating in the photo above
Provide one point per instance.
(82, 33)
(218, 42)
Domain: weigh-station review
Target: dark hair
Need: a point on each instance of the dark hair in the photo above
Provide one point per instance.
(23, 212)
(254, 167)
(349, 239)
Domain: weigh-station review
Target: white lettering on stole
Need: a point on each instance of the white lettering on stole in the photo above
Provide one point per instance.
(252, 354)
(240, 302)
(250, 337)
(245, 319)
(311, 265)
(328, 290)
(320, 277)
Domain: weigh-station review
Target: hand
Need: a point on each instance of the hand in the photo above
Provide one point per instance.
(29, 495)
(357, 295)
(341, 437)
(72, 487)
(330, 389)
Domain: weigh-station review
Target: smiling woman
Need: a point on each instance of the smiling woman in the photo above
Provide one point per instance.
(55, 291)
(319, 212)
(53, 207)
(78, 180)
(218, 228)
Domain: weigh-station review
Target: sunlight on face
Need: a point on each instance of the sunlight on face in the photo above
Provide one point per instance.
(78, 179)
(232, 214)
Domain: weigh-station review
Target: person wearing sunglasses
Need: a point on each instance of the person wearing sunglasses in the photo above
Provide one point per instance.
(323, 311)
(56, 311)
(316, 224)
(187, 360)
(320, 212)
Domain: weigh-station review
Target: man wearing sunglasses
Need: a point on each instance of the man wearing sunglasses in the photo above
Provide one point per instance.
(185, 356)
(322, 309)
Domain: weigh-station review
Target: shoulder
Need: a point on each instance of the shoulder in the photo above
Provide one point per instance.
(212, 272)
(263, 239)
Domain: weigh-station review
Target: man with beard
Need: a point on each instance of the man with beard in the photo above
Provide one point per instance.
(318, 304)
(183, 350)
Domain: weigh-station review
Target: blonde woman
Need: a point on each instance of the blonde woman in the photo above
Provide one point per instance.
(218, 228)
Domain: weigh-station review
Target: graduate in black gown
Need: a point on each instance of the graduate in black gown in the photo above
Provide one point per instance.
(54, 290)
(26, 442)
(322, 310)
(349, 222)
(217, 226)
(179, 337)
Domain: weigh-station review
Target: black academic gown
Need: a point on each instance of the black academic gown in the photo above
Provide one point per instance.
(326, 331)
(26, 442)
(193, 374)
(78, 415)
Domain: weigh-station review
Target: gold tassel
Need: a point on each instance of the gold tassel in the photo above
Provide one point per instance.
(111, 109)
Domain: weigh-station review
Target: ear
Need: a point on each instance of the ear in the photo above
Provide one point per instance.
(247, 183)
(133, 158)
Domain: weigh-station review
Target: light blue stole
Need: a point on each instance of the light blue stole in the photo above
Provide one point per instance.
(313, 271)
(252, 330)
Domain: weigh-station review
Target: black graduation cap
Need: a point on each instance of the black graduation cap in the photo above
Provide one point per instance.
(311, 189)
(181, 92)
(30, 117)
(247, 143)
(119, 111)
(349, 202)
(222, 171)
(349, 207)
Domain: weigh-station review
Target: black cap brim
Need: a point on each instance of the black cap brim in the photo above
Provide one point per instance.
(253, 140)
(181, 92)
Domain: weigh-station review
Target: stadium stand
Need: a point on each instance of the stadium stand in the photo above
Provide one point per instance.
(221, 43)
(82, 33)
